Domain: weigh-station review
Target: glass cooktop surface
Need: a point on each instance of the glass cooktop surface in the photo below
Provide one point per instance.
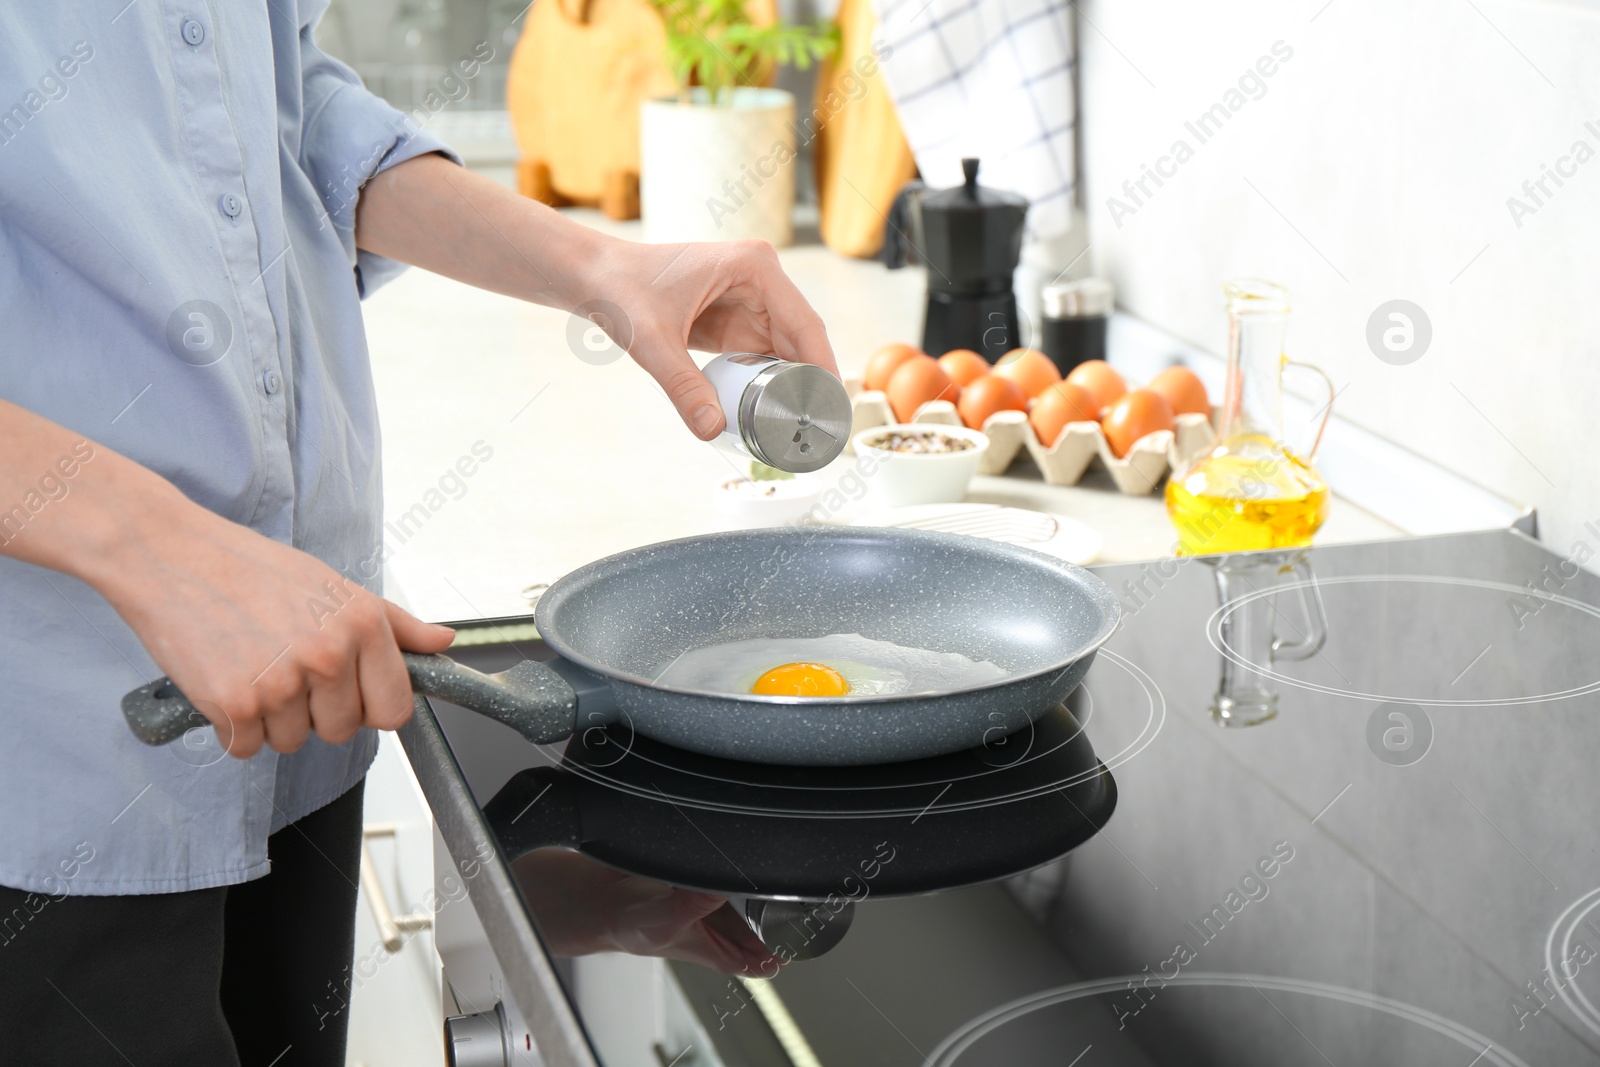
(1335, 807)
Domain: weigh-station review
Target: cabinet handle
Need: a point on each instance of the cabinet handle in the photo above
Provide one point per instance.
(390, 927)
(686, 1058)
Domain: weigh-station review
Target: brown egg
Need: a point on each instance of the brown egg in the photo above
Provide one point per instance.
(1030, 369)
(987, 395)
(1183, 391)
(915, 382)
(964, 366)
(1058, 405)
(884, 362)
(1103, 383)
(1135, 415)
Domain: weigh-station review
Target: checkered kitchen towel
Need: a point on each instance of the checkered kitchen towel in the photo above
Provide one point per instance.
(992, 79)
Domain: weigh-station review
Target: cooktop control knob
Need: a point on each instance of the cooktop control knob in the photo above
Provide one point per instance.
(479, 1040)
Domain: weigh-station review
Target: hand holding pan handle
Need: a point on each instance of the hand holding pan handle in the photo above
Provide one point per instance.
(538, 700)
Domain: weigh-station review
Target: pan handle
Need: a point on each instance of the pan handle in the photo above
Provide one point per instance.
(529, 697)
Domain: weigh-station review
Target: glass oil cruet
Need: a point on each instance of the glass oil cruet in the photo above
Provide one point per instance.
(1251, 491)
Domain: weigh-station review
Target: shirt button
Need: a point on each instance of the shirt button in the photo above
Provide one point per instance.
(230, 205)
(270, 382)
(193, 32)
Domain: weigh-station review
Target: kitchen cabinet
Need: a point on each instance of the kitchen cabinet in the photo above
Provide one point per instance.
(395, 1006)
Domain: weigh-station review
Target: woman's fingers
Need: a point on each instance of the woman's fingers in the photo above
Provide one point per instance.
(273, 707)
(288, 725)
(733, 939)
(797, 330)
(655, 920)
(724, 297)
(385, 685)
(667, 361)
(385, 689)
(414, 635)
(244, 736)
(335, 704)
(347, 675)
(748, 303)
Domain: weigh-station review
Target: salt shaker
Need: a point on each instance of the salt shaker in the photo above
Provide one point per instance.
(792, 416)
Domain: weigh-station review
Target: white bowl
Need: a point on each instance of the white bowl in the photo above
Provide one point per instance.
(899, 478)
(744, 504)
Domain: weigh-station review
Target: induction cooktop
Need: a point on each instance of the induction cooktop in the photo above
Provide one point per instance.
(1394, 863)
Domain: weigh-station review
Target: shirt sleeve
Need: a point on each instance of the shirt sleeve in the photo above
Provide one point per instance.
(350, 135)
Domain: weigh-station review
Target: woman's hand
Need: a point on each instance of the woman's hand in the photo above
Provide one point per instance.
(582, 907)
(267, 642)
(729, 297)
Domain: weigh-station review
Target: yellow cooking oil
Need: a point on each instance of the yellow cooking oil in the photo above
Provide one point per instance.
(1248, 494)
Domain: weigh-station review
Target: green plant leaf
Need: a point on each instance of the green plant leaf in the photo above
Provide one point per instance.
(714, 43)
(760, 472)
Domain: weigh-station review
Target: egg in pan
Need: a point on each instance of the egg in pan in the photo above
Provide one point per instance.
(838, 665)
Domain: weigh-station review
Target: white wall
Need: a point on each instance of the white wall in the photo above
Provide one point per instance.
(1390, 140)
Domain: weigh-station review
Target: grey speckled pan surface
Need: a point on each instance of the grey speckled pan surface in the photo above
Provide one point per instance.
(627, 616)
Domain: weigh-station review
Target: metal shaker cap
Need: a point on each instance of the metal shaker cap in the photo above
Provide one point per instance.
(1078, 299)
(795, 417)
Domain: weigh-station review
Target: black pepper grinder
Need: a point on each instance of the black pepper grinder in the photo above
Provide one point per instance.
(1074, 317)
(970, 237)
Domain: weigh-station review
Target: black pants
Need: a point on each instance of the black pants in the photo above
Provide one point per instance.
(237, 975)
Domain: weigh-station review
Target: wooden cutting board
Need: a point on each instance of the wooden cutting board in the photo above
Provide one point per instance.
(577, 77)
(862, 158)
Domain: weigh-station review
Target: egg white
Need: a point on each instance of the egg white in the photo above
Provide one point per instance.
(870, 667)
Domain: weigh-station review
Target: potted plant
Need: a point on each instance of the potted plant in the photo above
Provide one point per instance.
(717, 158)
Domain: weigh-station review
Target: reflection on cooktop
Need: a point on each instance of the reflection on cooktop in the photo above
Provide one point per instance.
(1526, 637)
(718, 825)
(1429, 1038)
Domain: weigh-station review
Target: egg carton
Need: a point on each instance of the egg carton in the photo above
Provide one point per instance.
(1063, 463)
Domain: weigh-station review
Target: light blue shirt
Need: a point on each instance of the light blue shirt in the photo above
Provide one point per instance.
(178, 282)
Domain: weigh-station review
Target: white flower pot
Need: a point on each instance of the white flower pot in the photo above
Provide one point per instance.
(718, 172)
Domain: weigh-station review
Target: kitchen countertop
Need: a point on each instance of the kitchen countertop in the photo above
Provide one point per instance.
(584, 460)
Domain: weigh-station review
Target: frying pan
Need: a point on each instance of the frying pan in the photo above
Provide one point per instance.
(617, 623)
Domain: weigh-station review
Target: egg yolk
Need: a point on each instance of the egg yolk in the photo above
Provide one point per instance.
(801, 680)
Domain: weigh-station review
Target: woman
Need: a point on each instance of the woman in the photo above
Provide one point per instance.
(192, 202)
